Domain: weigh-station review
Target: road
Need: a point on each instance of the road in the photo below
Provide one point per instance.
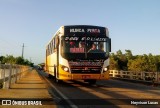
(109, 93)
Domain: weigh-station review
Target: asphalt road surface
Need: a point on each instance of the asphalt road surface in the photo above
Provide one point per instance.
(106, 93)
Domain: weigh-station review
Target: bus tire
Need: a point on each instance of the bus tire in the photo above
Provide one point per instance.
(57, 80)
(49, 76)
(55, 76)
(92, 82)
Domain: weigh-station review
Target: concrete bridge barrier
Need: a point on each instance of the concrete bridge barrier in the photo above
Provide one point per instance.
(10, 74)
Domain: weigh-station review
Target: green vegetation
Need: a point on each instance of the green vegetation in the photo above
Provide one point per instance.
(128, 62)
(15, 60)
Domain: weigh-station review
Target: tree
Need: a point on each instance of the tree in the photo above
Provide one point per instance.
(19, 60)
(128, 54)
(118, 61)
(127, 61)
(2, 59)
(15, 60)
(113, 64)
(9, 59)
(119, 53)
(158, 62)
(153, 63)
(122, 60)
(136, 64)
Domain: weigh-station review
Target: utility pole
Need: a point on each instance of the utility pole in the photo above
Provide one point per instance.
(22, 50)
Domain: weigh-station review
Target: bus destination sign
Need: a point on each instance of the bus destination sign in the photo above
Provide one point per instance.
(84, 30)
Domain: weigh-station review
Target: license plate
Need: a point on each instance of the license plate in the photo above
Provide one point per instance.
(86, 76)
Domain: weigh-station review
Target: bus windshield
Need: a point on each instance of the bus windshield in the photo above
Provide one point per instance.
(85, 47)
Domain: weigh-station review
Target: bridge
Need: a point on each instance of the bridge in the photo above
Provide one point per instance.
(31, 87)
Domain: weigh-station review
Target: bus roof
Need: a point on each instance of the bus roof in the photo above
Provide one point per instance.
(80, 29)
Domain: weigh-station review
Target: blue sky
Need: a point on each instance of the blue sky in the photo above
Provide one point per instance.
(133, 24)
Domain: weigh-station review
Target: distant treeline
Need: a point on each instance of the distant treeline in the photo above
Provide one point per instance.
(9, 59)
(129, 62)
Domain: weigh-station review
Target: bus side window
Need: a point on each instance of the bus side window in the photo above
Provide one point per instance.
(48, 49)
(52, 45)
(56, 42)
(101, 46)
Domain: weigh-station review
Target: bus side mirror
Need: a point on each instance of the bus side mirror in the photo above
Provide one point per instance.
(109, 44)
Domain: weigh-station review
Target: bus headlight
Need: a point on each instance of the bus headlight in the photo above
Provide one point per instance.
(105, 69)
(65, 68)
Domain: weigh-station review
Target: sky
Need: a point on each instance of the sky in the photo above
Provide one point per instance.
(132, 24)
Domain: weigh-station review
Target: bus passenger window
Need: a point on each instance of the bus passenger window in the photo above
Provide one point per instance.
(81, 44)
(93, 48)
(101, 47)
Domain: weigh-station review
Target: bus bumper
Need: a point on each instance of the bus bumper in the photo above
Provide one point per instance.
(104, 76)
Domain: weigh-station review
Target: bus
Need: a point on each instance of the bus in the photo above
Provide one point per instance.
(79, 52)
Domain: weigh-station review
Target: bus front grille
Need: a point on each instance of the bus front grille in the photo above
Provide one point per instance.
(86, 70)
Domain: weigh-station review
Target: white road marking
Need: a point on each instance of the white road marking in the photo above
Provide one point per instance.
(62, 95)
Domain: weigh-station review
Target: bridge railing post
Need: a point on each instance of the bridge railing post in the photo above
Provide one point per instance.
(4, 79)
(1, 76)
(14, 74)
(10, 76)
(16, 69)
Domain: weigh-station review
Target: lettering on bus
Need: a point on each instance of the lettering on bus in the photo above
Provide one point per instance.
(71, 38)
(95, 39)
(93, 30)
(85, 63)
(77, 30)
(83, 38)
(83, 30)
(77, 50)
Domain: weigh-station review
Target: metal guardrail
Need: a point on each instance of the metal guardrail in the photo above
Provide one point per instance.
(147, 77)
(10, 74)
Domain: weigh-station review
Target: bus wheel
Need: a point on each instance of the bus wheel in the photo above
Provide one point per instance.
(49, 76)
(92, 82)
(57, 80)
(55, 77)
